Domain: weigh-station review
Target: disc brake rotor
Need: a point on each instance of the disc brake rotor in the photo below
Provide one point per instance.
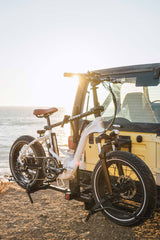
(127, 186)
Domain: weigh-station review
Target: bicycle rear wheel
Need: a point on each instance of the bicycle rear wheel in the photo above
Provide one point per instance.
(133, 197)
(29, 172)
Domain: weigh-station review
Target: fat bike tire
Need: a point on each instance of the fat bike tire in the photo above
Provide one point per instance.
(134, 193)
(26, 176)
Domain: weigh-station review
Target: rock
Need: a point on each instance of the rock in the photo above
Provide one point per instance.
(83, 235)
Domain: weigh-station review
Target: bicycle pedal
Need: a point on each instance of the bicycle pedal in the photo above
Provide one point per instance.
(61, 170)
(56, 170)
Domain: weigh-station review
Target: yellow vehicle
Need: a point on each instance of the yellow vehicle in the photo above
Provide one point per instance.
(137, 94)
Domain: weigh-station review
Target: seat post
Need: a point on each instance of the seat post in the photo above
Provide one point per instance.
(48, 121)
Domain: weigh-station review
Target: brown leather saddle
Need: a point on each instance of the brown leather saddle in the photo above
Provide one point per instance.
(44, 112)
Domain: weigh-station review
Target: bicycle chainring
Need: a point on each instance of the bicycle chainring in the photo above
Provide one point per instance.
(48, 164)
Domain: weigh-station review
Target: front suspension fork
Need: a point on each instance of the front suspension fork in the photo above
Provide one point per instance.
(104, 166)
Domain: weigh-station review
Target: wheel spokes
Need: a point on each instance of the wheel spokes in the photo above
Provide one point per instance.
(127, 197)
(24, 172)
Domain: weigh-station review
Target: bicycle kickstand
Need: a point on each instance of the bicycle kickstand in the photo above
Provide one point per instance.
(29, 193)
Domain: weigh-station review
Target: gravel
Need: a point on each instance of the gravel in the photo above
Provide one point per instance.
(53, 217)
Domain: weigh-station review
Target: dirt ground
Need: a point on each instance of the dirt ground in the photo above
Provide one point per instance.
(53, 217)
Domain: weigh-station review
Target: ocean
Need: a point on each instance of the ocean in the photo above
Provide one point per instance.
(18, 121)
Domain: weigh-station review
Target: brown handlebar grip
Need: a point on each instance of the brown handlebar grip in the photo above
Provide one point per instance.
(69, 74)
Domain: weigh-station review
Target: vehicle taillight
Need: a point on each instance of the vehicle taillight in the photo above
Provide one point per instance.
(71, 143)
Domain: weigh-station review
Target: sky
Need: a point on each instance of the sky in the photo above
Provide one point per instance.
(42, 39)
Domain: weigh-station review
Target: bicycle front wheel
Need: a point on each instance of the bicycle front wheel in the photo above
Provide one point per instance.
(133, 197)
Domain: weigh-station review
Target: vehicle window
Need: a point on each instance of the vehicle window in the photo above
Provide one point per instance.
(104, 98)
(154, 99)
(134, 103)
(135, 106)
(154, 93)
(127, 88)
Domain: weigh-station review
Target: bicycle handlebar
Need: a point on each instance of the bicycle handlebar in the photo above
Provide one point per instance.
(94, 76)
(74, 74)
(91, 76)
(70, 119)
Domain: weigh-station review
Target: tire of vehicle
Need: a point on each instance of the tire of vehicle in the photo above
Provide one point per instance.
(25, 176)
(134, 193)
